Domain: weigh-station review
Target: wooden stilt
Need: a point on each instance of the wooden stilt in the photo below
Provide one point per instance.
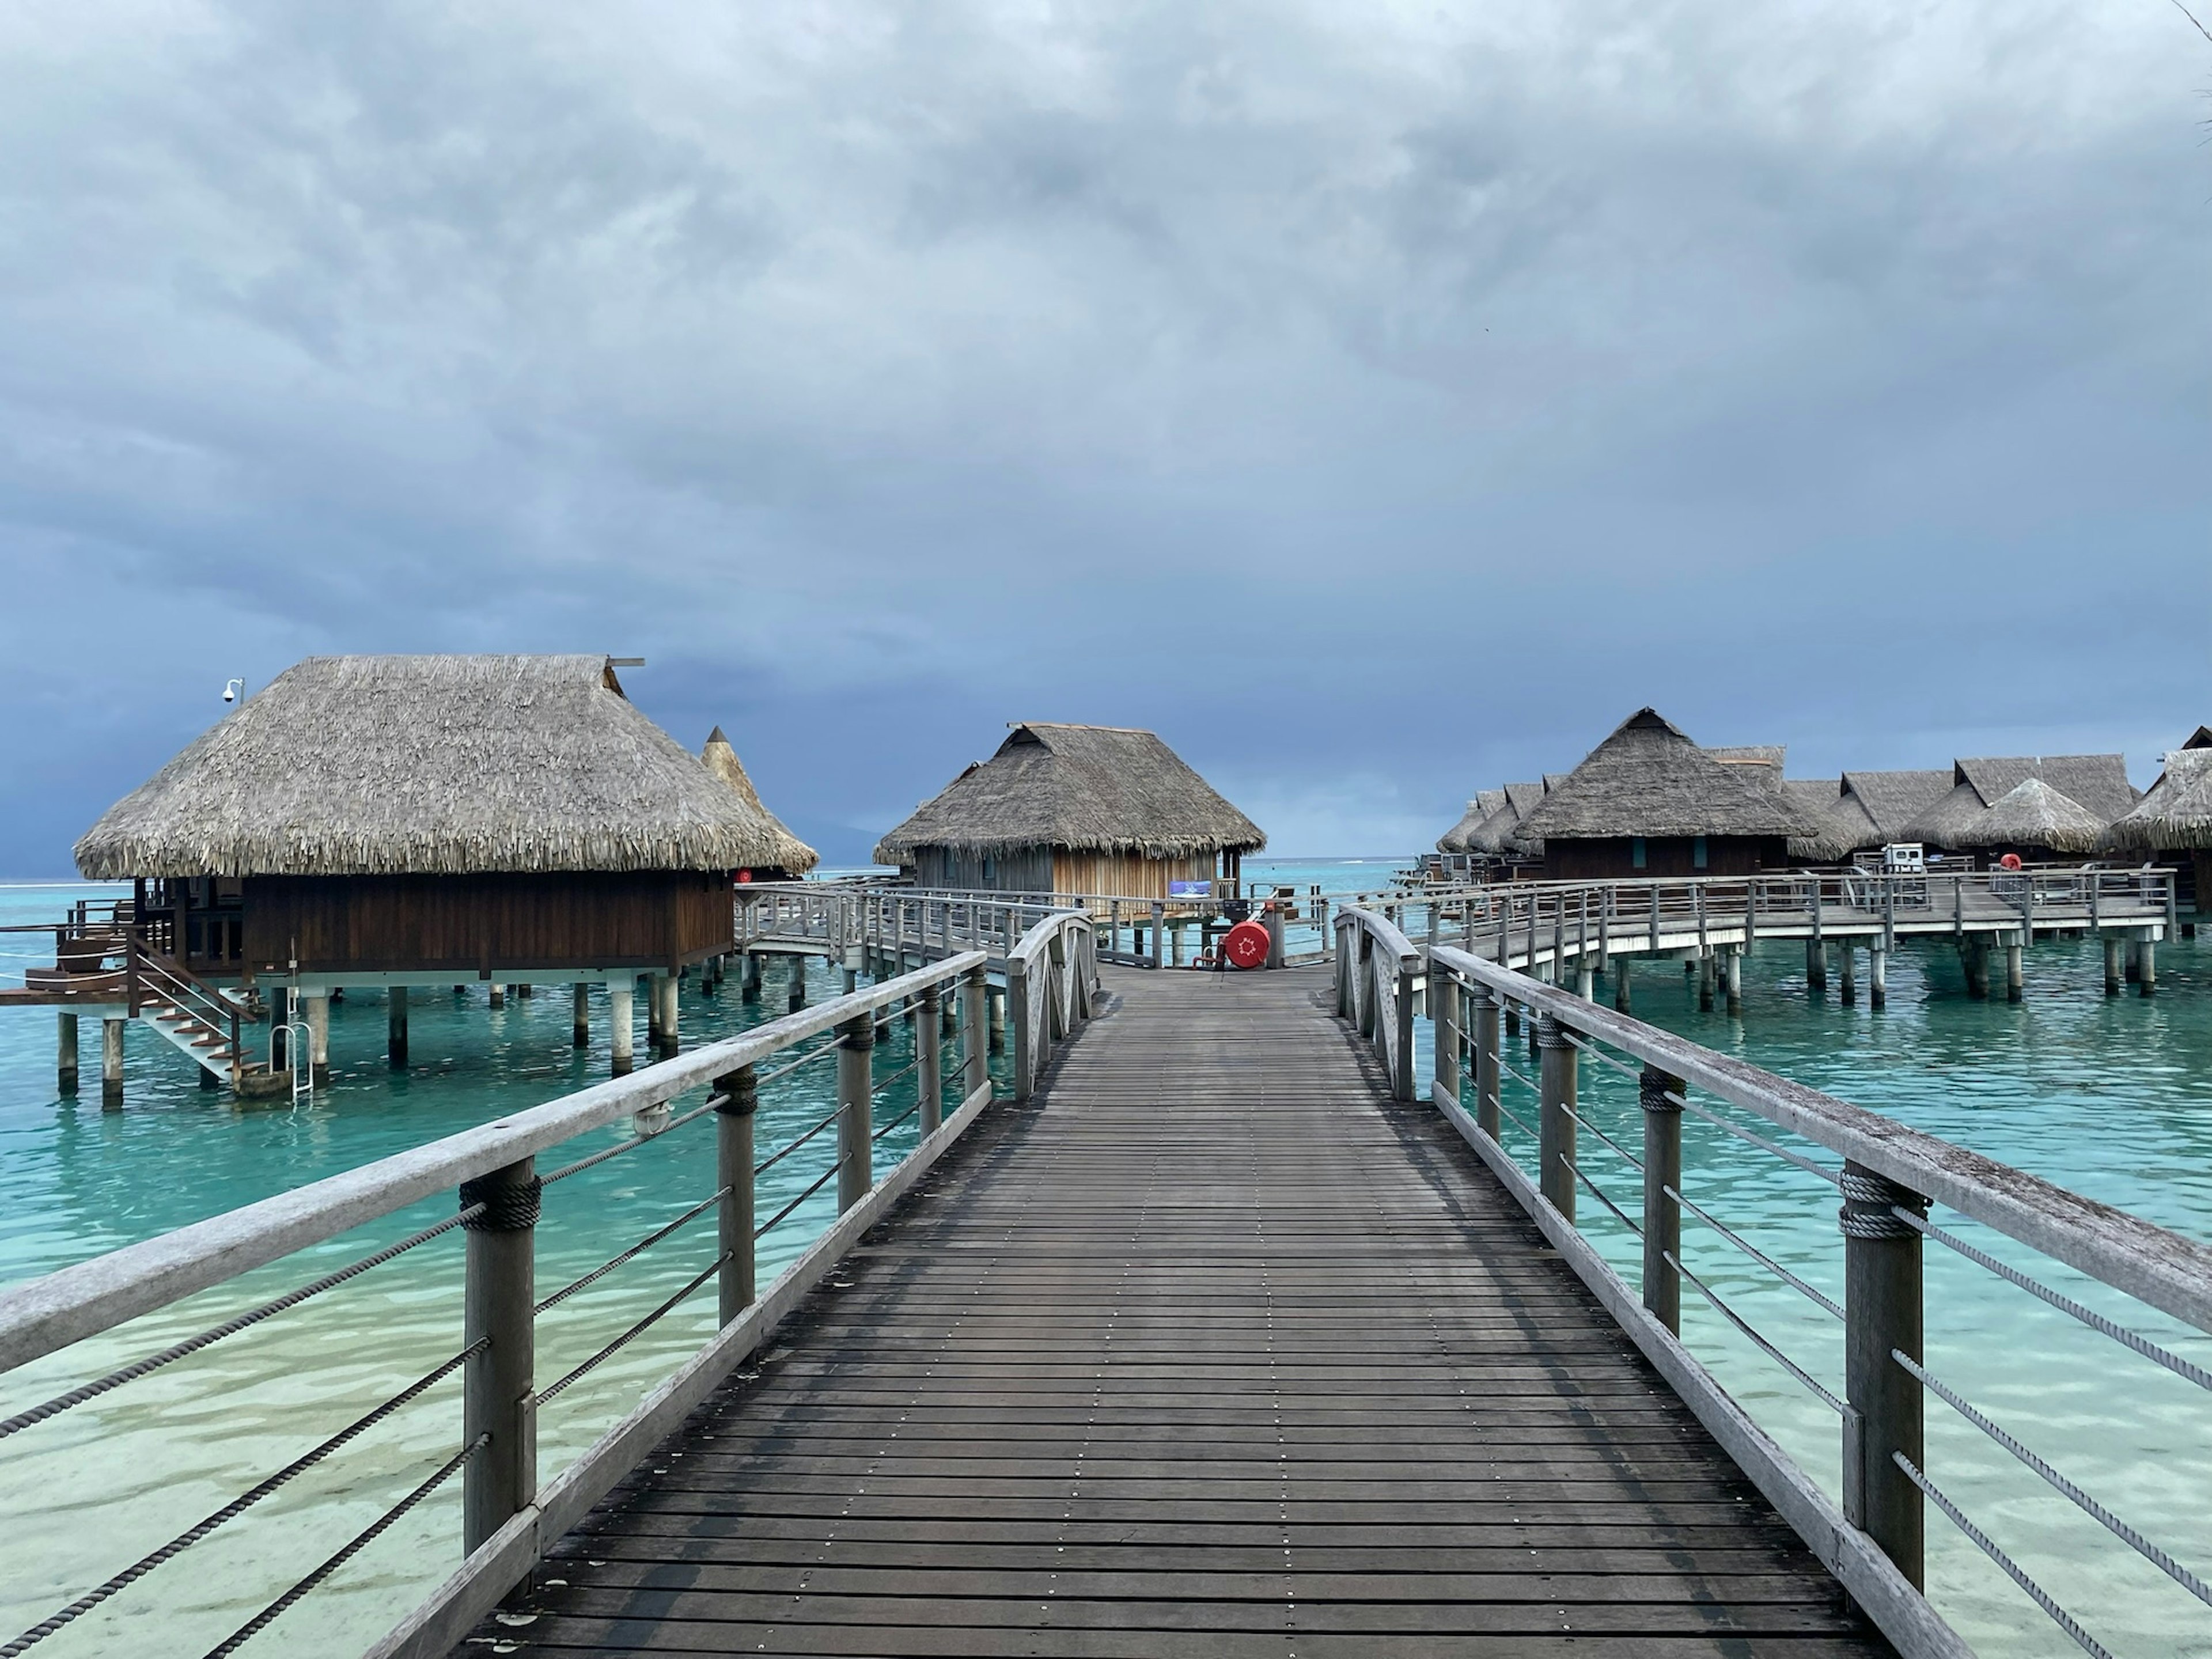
(1732, 978)
(498, 994)
(2112, 945)
(65, 1052)
(111, 1061)
(620, 1022)
(395, 1042)
(580, 1024)
(1877, 977)
(319, 1039)
(1847, 960)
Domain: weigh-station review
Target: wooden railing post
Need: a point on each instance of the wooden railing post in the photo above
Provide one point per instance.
(734, 1176)
(1401, 1074)
(1882, 1318)
(1159, 927)
(1487, 1116)
(1556, 1081)
(1662, 1212)
(1017, 1016)
(856, 1095)
(928, 1062)
(1447, 1017)
(497, 1399)
(974, 995)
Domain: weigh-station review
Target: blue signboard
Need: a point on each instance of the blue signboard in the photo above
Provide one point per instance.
(1190, 889)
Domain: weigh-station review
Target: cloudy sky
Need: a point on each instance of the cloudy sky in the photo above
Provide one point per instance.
(1379, 400)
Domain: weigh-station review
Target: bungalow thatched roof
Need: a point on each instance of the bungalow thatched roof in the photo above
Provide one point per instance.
(2033, 814)
(1485, 802)
(1844, 824)
(2097, 783)
(1500, 833)
(1647, 779)
(2176, 813)
(1890, 800)
(721, 759)
(443, 765)
(1087, 788)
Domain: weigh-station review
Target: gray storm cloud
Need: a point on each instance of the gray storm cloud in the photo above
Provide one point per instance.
(1379, 400)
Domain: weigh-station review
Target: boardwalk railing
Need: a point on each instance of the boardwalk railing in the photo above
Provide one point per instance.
(507, 1515)
(1889, 1178)
(1569, 920)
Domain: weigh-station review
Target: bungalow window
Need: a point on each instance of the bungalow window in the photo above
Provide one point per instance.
(1697, 854)
(1638, 858)
(990, 869)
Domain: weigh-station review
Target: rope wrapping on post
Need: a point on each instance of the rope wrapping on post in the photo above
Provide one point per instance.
(1869, 1203)
(492, 1205)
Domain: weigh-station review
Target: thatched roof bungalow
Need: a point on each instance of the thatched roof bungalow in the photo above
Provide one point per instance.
(1499, 835)
(1954, 820)
(2172, 823)
(1861, 810)
(792, 856)
(1485, 802)
(1082, 810)
(2032, 820)
(1650, 802)
(440, 817)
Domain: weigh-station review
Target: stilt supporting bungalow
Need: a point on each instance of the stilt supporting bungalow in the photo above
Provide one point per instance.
(65, 1056)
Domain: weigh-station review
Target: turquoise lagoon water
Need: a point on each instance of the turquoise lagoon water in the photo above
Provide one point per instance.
(2111, 1099)
(86, 1493)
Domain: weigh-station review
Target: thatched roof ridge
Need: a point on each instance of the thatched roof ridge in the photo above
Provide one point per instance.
(1648, 778)
(1940, 822)
(1768, 755)
(2099, 783)
(429, 765)
(1087, 788)
(2176, 812)
(1485, 802)
(1891, 799)
(2033, 814)
(2200, 738)
(720, 758)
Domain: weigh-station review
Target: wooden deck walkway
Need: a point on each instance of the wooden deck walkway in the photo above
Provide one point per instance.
(1209, 1350)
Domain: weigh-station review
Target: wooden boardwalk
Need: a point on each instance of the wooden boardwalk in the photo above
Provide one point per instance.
(1209, 1350)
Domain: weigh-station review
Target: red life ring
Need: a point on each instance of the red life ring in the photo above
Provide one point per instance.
(1246, 945)
(2010, 862)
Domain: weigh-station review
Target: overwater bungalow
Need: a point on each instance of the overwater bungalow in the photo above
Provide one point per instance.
(790, 857)
(2096, 783)
(1499, 835)
(2172, 823)
(1861, 811)
(1650, 802)
(1081, 810)
(402, 821)
(2032, 822)
(1454, 840)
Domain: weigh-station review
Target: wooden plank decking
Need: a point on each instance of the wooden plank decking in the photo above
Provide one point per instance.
(1212, 1351)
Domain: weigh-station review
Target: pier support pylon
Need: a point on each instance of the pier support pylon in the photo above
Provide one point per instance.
(395, 1039)
(65, 1052)
(622, 1022)
(111, 1061)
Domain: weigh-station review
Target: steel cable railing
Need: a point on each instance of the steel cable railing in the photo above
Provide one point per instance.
(237, 1506)
(493, 1163)
(353, 1546)
(1890, 1174)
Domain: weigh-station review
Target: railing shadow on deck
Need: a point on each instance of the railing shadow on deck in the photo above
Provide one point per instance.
(508, 1518)
(1889, 1178)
